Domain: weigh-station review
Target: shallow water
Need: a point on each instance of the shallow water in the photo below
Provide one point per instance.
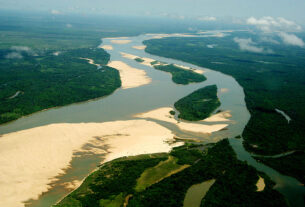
(161, 92)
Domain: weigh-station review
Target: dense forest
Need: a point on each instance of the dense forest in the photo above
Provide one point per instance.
(199, 104)
(114, 183)
(37, 80)
(180, 75)
(270, 81)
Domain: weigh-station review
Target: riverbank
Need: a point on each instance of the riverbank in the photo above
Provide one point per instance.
(50, 149)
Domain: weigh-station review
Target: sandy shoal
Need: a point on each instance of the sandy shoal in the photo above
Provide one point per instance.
(130, 77)
(224, 90)
(146, 61)
(120, 42)
(189, 68)
(90, 61)
(163, 114)
(106, 47)
(30, 159)
(260, 184)
(140, 47)
(221, 116)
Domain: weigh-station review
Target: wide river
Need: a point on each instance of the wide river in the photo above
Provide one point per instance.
(161, 92)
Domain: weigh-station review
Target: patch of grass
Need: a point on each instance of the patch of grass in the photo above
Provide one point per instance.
(159, 172)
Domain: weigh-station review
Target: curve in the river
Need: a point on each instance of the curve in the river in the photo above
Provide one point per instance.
(161, 92)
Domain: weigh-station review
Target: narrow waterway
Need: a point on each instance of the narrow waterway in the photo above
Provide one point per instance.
(161, 92)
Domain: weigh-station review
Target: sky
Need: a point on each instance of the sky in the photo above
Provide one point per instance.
(208, 10)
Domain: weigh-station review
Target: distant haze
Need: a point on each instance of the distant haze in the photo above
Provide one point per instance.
(205, 10)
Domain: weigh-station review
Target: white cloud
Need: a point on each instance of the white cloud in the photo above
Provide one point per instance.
(291, 39)
(269, 39)
(249, 45)
(270, 24)
(17, 52)
(69, 25)
(207, 18)
(55, 12)
(14, 55)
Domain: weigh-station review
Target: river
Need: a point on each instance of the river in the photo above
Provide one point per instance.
(161, 92)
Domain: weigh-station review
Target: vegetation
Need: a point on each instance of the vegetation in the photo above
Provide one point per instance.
(140, 60)
(199, 104)
(111, 183)
(159, 172)
(46, 80)
(120, 178)
(270, 81)
(292, 165)
(180, 75)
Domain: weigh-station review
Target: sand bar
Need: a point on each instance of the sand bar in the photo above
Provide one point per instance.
(221, 116)
(90, 61)
(130, 77)
(163, 114)
(30, 159)
(260, 184)
(106, 47)
(140, 47)
(120, 42)
(146, 61)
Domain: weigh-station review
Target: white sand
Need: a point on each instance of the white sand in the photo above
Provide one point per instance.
(163, 114)
(90, 61)
(224, 90)
(130, 77)
(260, 184)
(31, 159)
(129, 56)
(120, 42)
(140, 47)
(189, 68)
(146, 61)
(106, 47)
(221, 116)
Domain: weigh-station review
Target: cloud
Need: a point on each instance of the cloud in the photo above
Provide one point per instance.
(270, 24)
(269, 39)
(69, 25)
(249, 45)
(55, 12)
(18, 51)
(291, 39)
(14, 55)
(207, 18)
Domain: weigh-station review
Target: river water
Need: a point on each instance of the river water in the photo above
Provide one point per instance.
(161, 92)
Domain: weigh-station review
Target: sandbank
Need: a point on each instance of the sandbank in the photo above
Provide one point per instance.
(162, 114)
(31, 159)
(120, 42)
(106, 47)
(221, 116)
(90, 61)
(140, 47)
(146, 61)
(224, 90)
(260, 184)
(130, 77)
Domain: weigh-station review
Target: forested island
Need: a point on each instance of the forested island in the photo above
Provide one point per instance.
(199, 104)
(180, 75)
(163, 180)
(270, 81)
